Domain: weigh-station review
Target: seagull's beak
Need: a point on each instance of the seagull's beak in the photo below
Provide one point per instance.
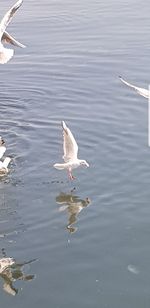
(2, 141)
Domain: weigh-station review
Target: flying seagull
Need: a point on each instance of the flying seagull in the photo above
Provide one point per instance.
(4, 166)
(2, 147)
(140, 91)
(70, 148)
(5, 53)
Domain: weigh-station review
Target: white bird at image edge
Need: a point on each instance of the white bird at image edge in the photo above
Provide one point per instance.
(4, 166)
(141, 91)
(2, 147)
(5, 53)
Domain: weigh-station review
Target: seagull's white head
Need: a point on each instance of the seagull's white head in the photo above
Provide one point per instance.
(1, 141)
(83, 163)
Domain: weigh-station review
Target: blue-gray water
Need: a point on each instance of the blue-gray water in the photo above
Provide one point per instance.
(91, 245)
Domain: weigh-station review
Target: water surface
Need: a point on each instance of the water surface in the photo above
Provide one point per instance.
(90, 238)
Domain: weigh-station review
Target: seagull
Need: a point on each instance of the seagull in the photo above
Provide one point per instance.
(140, 91)
(2, 147)
(5, 53)
(70, 148)
(4, 165)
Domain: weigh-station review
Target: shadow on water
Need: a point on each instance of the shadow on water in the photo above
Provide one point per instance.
(13, 273)
(73, 205)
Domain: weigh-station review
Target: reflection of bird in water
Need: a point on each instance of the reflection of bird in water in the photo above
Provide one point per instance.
(74, 205)
(5, 263)
(10, 271)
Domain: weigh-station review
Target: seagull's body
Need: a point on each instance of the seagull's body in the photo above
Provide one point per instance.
(5, 53)
(70, 148)
(4, 166)
(141, 91)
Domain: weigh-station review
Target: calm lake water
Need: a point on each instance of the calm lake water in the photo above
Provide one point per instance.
(88, 241)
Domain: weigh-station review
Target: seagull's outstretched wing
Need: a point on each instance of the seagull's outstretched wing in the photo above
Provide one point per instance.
(6, 162)
(2, 151)
(8, 17)
(7, 38)
(140, 91)
(69, 144)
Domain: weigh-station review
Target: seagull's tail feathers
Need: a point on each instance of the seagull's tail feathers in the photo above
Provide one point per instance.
(5, 55)
(59, 166)
(6, 162)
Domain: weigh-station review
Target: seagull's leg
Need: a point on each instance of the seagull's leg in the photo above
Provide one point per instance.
(71, 177)
(70, 174)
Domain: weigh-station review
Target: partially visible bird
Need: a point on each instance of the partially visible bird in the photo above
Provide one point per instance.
(141, 91)
(6, 53)
(70, 148)
(4, 166)
(2, 147)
